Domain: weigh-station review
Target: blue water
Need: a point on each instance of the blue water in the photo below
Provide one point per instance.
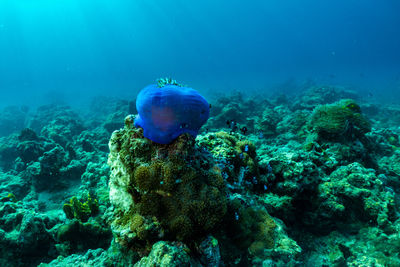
(54, 50)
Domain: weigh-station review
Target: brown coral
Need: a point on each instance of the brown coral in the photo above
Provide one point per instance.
(162, 185)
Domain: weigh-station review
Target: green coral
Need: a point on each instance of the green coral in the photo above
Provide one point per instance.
(251, 236)
(232, 148)
(80, 210)
(370, 246)
(267, 123)
(253, 228)
(356, 193)
(339, 120)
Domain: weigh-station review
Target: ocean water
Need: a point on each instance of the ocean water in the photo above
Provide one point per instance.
(297, 165)
(69, 49)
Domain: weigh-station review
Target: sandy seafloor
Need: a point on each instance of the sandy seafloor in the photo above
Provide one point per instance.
(314, 181)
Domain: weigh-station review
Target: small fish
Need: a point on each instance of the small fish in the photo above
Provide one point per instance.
(269, 168)
(265, 187)
(246, 148)
(241, 156)
(260, 135)
(184, 125)
(236, 216)
(232, 125)
(244, 130)
(163, 193)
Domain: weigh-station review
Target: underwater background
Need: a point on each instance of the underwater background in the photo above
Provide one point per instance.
(287, 153)
(64, 50)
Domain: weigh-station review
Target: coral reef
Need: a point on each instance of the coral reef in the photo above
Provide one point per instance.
(340, 120)
(77, 236)
(32, 241)
(353, 193)
(157, 194)
(39, 171)
(370, 246)
(93, 257)
(268, 122)
(322, 95)
(81, 210)
(177, 192)
(313, 181)
(235, 156)
(235, 107)
(164, 254)
(55, 116)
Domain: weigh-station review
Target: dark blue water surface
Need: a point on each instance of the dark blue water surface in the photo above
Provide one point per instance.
(53, 50)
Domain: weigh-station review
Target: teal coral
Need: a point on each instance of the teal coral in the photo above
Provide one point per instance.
(78, 236)
(356, 193)
(339, 120)
(166, 254)
(267, 123)
(371, 246)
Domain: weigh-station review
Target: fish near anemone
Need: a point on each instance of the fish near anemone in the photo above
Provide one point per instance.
(171, 110)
